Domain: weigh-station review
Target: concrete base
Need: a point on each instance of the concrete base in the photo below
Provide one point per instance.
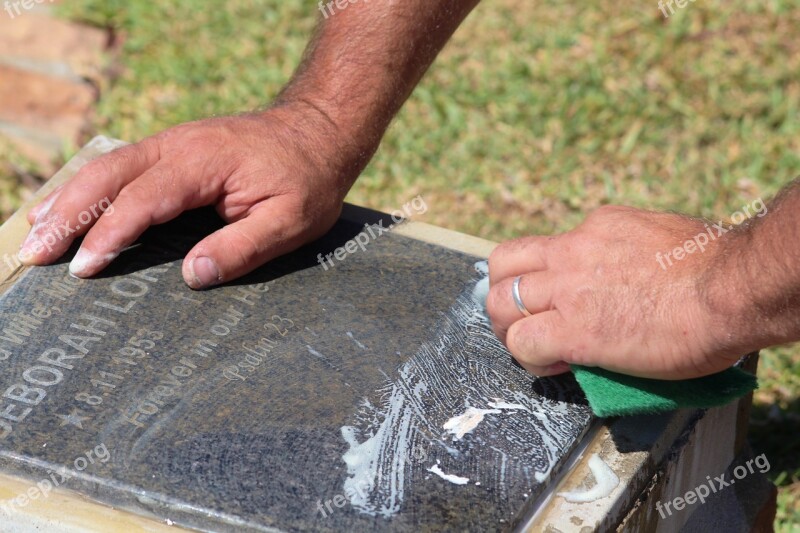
(750, 506)
(746, 505)
(658, 459)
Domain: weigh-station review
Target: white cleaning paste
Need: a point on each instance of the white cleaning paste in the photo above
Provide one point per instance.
(458, 480)
(606, 481)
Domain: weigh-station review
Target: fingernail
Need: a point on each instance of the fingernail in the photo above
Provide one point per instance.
(86, 262)
(33, 244)
(27, 251)
(204, 272)
(82, 261)
(25, 257)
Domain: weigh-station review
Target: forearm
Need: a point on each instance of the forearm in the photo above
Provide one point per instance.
(366, 59)
(762, 267)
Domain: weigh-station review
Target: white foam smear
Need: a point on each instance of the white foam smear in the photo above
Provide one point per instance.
(481, 290)
(46, 206)
(605, 478)
(104, 144)
(451, 380)
(480, 293)
(500, 404)
(462, 424)
(457, 480)
(380, 460)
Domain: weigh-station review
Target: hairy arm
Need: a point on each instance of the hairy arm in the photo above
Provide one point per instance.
(365, 60)
(278, 176)
(756, 281)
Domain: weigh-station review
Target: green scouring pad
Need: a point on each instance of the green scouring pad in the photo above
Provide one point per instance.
(612, 394)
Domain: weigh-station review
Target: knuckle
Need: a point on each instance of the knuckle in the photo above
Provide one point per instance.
(121, 157)
(147, 152)
(247, 246)
(573, 247)
(130, 197)
(126, 195)
(104, 166)
(165, 179)
(95, 169)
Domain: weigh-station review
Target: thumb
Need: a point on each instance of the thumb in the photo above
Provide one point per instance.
(235, 250)
(539, 343)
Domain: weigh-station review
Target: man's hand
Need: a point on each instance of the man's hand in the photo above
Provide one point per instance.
(605, 295)
(279, 178)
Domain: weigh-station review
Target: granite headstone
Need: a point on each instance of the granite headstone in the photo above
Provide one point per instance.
(355, 394)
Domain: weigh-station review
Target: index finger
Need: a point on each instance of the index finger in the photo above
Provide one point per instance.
(517, 257)
(66, 213)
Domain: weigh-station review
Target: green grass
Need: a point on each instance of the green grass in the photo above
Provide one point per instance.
(13, 170)
(536, 113)
(774, 425)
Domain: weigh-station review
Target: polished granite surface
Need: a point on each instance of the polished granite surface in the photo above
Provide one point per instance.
(302, 397)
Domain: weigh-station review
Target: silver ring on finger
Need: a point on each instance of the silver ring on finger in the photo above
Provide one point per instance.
(518, 298)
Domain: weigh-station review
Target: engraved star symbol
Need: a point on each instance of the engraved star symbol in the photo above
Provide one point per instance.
(73, 419)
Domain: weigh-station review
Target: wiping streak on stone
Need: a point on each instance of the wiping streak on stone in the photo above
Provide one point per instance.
(315, 353)
(352, 338)
(500, 404)
(464, 367)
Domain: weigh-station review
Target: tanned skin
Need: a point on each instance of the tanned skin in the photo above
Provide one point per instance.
(279, 176)
(600, 297)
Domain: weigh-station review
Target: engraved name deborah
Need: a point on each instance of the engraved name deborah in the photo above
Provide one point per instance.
(246, 405)
(85, 342)
(45, 345)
